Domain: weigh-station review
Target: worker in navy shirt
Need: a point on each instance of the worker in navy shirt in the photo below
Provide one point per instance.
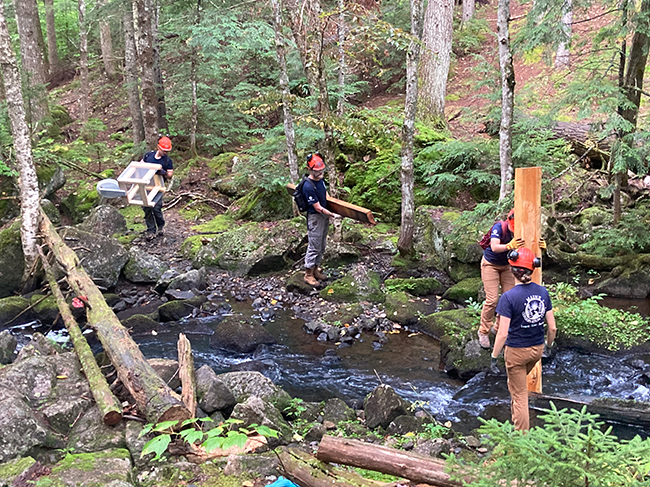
(318, 219)
(495, 273)
(523, 311)
(153, 216)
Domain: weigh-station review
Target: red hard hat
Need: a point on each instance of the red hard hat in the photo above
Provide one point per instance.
(164, 144)
(315, 162)
(523, 257)
(511, 220)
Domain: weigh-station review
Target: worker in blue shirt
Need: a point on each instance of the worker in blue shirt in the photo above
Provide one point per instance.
(153, 216)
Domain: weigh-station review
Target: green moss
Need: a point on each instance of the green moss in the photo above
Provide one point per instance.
(347, 289)
(457, 323)
(426, 135)
(60, 115)
(89, 461)
(134, 217)
(263, 205)
(416, 287)
(196, 212)
(192, 245)
(464, 290)
(221, 164)
(218, 224)
(13, 468)
(79, 203)
(403, 308)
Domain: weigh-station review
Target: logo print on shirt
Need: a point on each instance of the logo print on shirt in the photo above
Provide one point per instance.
(534, 310)
(311, 198)
(495, 233)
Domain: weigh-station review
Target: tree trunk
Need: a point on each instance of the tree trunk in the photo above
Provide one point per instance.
(436, 56)
(106, 43)
(341, 29)
(159, 85)
(106, 402)
(289, 132)
(29, 195)
(186, 373)
(507, 97)
(84, 89)
(193, 75)
(131, 76)
(152, 395)
(468, 9)
(562, 57)
(31, 53)
(52, 49)
(417, 468)
(405, 242)
(146, 58)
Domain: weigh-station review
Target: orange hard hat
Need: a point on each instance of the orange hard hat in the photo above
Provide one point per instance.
(315, 162)
(164, 144)
(511, 220)
(523, 257)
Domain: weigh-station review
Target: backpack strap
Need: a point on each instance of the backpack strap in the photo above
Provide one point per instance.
(504, 228)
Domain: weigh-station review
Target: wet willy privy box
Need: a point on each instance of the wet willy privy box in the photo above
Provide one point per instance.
(142, 183)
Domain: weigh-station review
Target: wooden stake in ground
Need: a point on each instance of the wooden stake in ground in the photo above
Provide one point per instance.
(186, 373)
(106, 402)
(152, 395)
(417, 468)
(528, 212)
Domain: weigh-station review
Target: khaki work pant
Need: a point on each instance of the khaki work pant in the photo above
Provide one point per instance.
(519, 362)
(493, 276)
(317, 228)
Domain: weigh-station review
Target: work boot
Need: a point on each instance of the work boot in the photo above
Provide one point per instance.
(319, 274)
(310, 279)
(483, 340)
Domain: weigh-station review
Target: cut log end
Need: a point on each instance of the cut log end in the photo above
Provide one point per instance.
(112, 418)
(175, 413)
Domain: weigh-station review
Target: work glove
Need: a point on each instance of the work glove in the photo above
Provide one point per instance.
(493, 367)
(515, 243)
(548, 352)
(542, 243)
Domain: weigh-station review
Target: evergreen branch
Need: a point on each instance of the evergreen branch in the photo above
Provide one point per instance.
(596, 17)
(636, 88)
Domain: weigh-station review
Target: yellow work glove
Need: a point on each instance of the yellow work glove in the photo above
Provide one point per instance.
(542, 243)
(515, 243)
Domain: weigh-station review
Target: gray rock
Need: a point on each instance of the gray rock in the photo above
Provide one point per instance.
(90, 434)
(256, 411)
(211, 393)
(167, 369)
(296, 284)
(104, 220)
(178, 295)
(165, 279)
(135, 443)
(8, 344)
(13, 311)
(38, 346)
(99, 468)
(382, 406)
(140, 324)
(20, 428)
(12, 261)
(102, 257)
(336, 411)
(194, 279)
(249, 383)
(405, 424)
(315, 433)
(258, 465)
(432, 448)
(630, 283)
(56, 182)
(51, 211)
(239, 335)
(45, 308)
(143, 267)
(177, 310)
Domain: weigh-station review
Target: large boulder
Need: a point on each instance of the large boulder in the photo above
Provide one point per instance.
(102, 257)
(107, 468)
(194, 279)
(464, 290)
(253, 248)
(177, 310)
(12, 261)
(239, 335)
(79, 204)
(51, 211)
(12, 311)
(382, 406)
(244, 384)
(359, 284)
(403, 308)
(104, 220)
(8, 344)
(143, 267)
(20, 428)
(263, 205)
(211, 392)
(167, 369)
(45, 308)
(256, 411)
(337, 411)
(423, 286)
(628, 281)
(90, 434)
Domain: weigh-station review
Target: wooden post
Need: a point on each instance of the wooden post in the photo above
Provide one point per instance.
(186, 373)
(528, 211)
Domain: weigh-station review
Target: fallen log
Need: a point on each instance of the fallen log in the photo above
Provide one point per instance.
(417, 468)
(306, 471)
(584, 140)
(108, 405)
(186, 373)
(341, 207)
(152, 395)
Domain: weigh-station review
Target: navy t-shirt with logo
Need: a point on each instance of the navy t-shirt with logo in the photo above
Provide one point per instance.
(526, 305)
(498, 258)
(314, 192)
(165, 161)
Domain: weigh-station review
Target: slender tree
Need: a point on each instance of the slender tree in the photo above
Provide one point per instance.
(468, 9)
(106, 43)
(341, 31)
(507, 96)
(562, 57)
(29, 196)
(193, 78)
(146, 59)
(159, 84)
(84, 97)
(405, 242)
(52, 49)
(436, 57)
(131, 76)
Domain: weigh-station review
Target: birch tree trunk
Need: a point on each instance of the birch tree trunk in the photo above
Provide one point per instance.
(29, 196)
(562, 57)
(159, 85)
(289, 132)
(33, 63)
(507, 97)
(341, 30)
(83, 62)
(106, 43)
(193, 76)
(436, 56)
(52, 49)
(405, 242)
(131, 76)
(468, 9)
(146, 58)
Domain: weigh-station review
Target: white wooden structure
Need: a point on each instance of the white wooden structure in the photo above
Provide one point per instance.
(141, 183)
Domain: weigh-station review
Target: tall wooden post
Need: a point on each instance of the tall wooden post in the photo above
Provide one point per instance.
(528, 211)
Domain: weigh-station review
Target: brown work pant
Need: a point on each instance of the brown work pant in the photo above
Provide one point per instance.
(493, 276)
(519, 362)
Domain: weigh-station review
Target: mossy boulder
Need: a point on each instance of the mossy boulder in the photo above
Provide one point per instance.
(244, 384)
(12, 469)
(143, 267)
(78, 205)
(177, 310)
(464, 290)
(242, 336)
(631, 281)
(90, 434)
(219, 224)
(11, 309)
(60, 115)
(340, 253)
(592, 217)
(459, 271)
(403, 308)
(104, 220)
(45, 308)
(254, 410)
(424, 286)
(139, 324)
(51, 211)
(382, 406)
(222, 164)
(254, 248)
(262, 205)
(296, 284)
(97, 469)
(11, 260)
(233, 185)
(360, 284)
